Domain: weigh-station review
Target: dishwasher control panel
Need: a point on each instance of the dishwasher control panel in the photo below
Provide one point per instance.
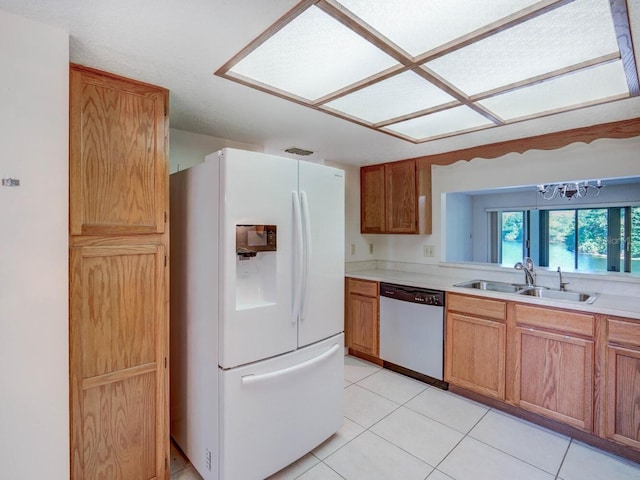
(412, 294)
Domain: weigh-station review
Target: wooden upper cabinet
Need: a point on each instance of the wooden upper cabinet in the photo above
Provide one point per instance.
(395, 197)
(372, 199)
(118, 137)
(400, 197)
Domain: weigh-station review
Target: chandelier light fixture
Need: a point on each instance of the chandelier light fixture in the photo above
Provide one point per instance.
(570, 190)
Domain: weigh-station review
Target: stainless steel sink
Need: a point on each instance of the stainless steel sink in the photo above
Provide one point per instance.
(558, 294)
(491, 286)
(540, 292)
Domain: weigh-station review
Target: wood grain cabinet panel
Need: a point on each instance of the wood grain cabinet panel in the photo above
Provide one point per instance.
(395, 197)
(118, 312)
(118, 131)
(362, 319)
(555, 376)
(372, 199)
(475, 344)
(400, 197)
(623, 383)
(475, 354)
(118, 376)
(119, 430)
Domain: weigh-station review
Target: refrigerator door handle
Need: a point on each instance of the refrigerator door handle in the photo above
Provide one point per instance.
(307, 253)
(250, 379)
(298, 260)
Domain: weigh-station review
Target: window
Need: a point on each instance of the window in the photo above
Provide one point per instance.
(587, 239)
(512, 237)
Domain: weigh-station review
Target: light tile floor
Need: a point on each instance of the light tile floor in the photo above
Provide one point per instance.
(399, 428)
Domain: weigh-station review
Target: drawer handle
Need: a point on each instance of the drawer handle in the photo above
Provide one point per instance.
(252, 378)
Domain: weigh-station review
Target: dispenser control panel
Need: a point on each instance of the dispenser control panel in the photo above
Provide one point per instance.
(251, 239)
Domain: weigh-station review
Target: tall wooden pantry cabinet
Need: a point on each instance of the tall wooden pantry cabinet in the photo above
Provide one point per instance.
(118, 238)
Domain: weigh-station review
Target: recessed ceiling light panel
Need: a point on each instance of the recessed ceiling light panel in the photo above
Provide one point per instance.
(400, 95)
(576, 32)
(422, 70)
(586, 86)
(313, 56)
(455, 119)
(418, 26)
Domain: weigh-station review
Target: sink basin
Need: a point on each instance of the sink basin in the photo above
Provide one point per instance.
(540, 292)
(558, 294)
(491, 286)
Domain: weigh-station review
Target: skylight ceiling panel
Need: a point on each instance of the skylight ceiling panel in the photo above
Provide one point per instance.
(312, 56)
(400, 95)
(446, 122)
(577, 32)
(417, 26)
(579, 88)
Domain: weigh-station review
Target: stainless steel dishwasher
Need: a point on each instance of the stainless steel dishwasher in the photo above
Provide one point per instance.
(412, 331)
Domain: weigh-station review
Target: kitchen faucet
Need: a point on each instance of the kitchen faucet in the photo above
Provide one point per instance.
(563, 285)
(527, 266)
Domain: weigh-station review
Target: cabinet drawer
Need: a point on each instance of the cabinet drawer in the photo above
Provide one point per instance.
(569, 322)
(363, 287)
(624, 332)
(477, 306)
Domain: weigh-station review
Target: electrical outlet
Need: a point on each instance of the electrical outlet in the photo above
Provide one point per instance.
(371, 248)
(428, 250)
(353, 249)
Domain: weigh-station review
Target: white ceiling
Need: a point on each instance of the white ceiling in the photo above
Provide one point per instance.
(179, 44)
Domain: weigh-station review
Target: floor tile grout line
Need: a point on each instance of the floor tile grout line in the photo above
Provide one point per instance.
(564, 457)
(405, 451)
(507, 453)
(464, 435)
(390, 399)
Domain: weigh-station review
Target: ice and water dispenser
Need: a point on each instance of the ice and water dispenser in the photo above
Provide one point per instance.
(256, 247)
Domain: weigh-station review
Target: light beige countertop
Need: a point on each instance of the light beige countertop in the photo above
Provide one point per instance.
(606, 303)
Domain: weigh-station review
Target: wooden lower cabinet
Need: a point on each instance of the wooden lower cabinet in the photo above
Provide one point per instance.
(555, 376)
(362, 316)
(578, 370)
(623, 383)
(117, 362)
(554, 364)
(475, 357)
(475, 345)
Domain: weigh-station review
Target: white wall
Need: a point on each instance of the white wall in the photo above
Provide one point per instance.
(604, 158)
(187, 149)
(34, 366)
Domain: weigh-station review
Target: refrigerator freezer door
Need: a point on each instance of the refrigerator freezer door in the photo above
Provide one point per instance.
(256, 299)
(275, 411)
(322, 200)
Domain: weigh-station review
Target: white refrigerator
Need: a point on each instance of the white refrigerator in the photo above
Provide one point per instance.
(257, 298)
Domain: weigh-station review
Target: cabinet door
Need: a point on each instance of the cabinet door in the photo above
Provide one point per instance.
(362, 324)
(623, 395)
(372, 199)
(475, 354)
(118, 372)
(555, 376)
(400, 195)
(118, 169)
